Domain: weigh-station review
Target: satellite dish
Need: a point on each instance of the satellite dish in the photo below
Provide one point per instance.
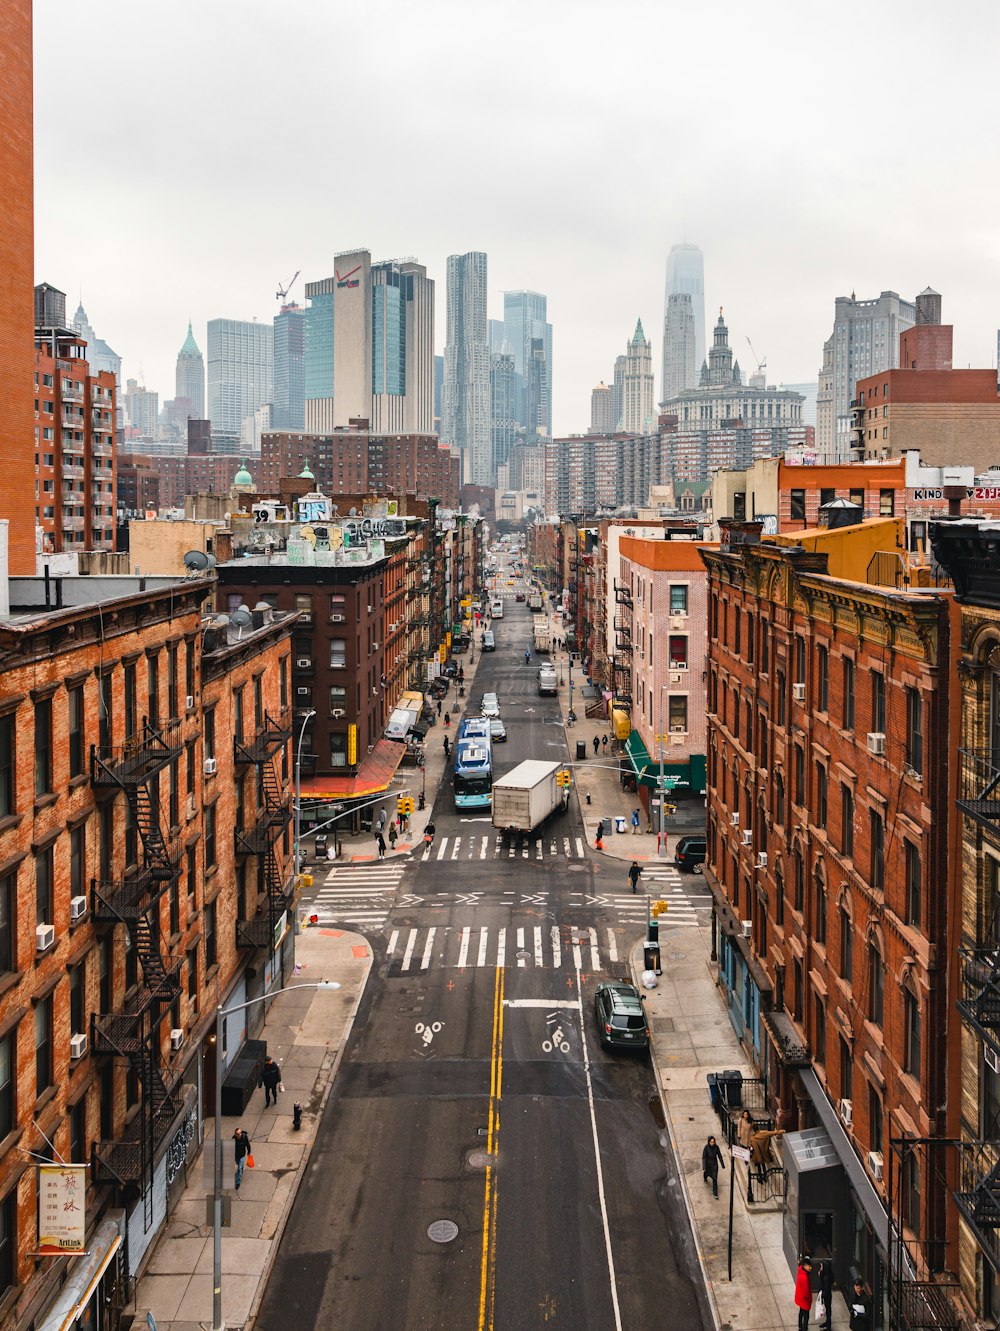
(262, 605)
(240, 619)
(222, 621)
(195, 561)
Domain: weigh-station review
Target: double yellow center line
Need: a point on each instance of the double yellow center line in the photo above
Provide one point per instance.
(487, 1282)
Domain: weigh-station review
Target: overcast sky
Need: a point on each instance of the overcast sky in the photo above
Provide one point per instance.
(191, 156)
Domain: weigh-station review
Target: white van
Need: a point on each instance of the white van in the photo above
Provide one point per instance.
(496, 610)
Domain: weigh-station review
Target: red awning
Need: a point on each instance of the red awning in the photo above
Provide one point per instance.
(371, 778)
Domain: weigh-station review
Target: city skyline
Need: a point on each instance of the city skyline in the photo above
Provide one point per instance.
(778, 273)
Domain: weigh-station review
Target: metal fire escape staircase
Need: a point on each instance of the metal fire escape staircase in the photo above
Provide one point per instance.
(132, 1033)
(259, 839)
(621, 662)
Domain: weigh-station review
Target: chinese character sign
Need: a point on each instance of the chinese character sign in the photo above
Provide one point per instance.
(62, 1218)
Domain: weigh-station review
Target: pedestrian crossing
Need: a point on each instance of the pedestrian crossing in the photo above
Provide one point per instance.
(585, 948)
(363, 895)
(492, 846)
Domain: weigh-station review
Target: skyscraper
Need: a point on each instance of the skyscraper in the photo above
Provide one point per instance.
(240, 372)
(466, 421)
(503, 425)
(318, 356)
(617, 390)
(529, 336)
(189, 379)
(686, 276)
(637, 384)
(288, 403)
(602, 419)
(864, 341)
(679, 346)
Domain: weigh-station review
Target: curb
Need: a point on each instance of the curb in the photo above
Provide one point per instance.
(279, 1231)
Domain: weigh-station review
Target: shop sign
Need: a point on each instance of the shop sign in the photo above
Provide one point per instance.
(62, 1213)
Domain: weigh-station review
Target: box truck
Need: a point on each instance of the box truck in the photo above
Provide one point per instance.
(542, 632)
(525, 797)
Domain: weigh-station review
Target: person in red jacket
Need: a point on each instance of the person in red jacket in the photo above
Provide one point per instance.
(803, 1292)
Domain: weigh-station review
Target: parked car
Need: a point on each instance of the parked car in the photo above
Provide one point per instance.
(621, 1018)
(489, 642)
(498, 731)
(689, 854)
(491, 705)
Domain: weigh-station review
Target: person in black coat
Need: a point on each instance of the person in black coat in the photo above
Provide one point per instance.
(270, 1076)
(861, 1308)
(824, 1280)
(711, 1159)
(241, 1145)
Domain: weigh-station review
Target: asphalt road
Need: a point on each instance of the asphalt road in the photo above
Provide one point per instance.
(474, 1092)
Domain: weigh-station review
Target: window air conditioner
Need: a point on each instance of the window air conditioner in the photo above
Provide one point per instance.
(303, 691)
(176, 1038)
(875, 1165)
(846, 1110)
(876, 743)
(747, 926)
(77, 1046)
(77, 908)
(45, 936)
(303, 662)
(799, 692)
(339, 711)
(189, 702)
(676, 677)
(747, 836)
(734, 819)
(336, 619)
(762, 859)
(211, 766)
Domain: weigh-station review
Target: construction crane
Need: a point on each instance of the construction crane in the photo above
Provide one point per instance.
(282, 292)
(761, 364)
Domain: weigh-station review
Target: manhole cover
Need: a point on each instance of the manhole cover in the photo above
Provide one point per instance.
(678, 956)
(576, 868)
(480, 1159)
(442, 1231)
(522, 955)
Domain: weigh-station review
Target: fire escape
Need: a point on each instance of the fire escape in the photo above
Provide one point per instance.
(621, 663)
(259, 838)
(132, 1033)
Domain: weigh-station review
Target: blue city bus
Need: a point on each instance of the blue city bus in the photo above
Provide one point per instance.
(473, 778)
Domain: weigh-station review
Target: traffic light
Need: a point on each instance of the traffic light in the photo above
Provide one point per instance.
(564, 779)
(404, 805)
(657, 908)
(400, 803)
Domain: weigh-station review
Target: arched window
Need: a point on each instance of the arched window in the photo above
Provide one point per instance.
(779, 895)
(779, 797)
(819, 904)
(876, 982)
(911, 1029)
(798, 869)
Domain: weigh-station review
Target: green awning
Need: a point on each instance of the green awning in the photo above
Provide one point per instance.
(647, 768)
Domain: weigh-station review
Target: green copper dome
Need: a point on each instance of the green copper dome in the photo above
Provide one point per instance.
(243, 477)
(305, 474)
(190, 347)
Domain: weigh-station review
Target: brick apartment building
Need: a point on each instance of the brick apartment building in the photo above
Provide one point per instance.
(75, 488)
(157, 482)
(142, 880)
(832, 859)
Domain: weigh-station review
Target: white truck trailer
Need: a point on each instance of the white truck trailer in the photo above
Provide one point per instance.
(525, 797)
(542, 632)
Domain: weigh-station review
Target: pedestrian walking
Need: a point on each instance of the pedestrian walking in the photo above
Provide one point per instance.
(599, 839)
(380, 844)
(824, 1295)
(400, 819)
(392, 836)
(439, 706)
(633, 875)
(861, 1308)
(604, 743)
(447, 746)
(711, 1159)
(597, 745)
(744, 1130)
(270, 1079)
(803, 1292)
(241, 1144)
(635, 821)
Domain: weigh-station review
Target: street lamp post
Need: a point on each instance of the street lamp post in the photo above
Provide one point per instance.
(220, 1013)
(661, 846)
(298, 787)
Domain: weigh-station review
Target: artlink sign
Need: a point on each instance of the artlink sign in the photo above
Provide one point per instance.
(62, 1217)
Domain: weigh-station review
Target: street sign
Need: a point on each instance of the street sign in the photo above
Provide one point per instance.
(741, 1153)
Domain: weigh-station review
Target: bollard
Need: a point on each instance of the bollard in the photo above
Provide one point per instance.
(297, 1116)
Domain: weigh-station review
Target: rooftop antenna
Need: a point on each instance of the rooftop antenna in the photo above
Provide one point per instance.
(282, 292)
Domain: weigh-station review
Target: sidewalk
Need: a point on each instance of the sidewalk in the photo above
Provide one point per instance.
(305, 1034)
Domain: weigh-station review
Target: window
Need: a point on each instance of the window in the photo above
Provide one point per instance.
(153, 689)
(821, 788)
(192, 978)
(819, 905)
(798, 505)
(104, 712)
(800, 881)
(338, 698)
(797, 993)
(914, 730)
(819, 1038)
(913, 884)
(258, 703)
(750, 639)
(678, 648)
(210, 936)
(911, 1016)
(43, 887)
(209, 826)
(846, 1070)
(76, 744)
(857, 497)
(826, 496)
(338, 750)
(304, 606)
(875, 1128)
(43, 1045)
(210, 733)
(189, 661)
(876, 827)
(238, 714)
(765, 647)
(78, 861)
(677, 705)
(78, 1145)
(338, 653)
(800, 775)
(848, 693)
(779, 897)
(738, 631)
(8, 1087)
(172, 699)
(779, 798)
(779, 693)
(678, 598)
(846, 821)
(130, 701)
(338, 607)
(78, 999)
(43, 747)
(876, 984)
(8, 785)
(823, 679)
(283, 680)
(886, 503)
(846, 947)
(878, 703)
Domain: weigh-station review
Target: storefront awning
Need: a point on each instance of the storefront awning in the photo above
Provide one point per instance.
(83, 1278)
(864, 1191)
(371, 778)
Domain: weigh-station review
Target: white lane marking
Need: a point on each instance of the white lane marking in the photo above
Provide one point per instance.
(393, 940)
(502, 949)
(597, 1160)
(539, 960)
(482, 853)
(556, 947)
(612, 946)
(566, 850)
(521, 961)
(577, 957)
(538, 850)
(456, 848)
(579, 847)
(410, 944)
(463, 951)
(547, 1003)
(595, 958)
(444, 843)
(483, 936)
(425, 960)
(524, 851)
(340, 894)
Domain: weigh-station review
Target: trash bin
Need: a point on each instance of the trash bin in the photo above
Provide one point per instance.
(581, 750)
(713, 1089)
(653, 930)
(619, 822)
(651, 958)
(731, 1087)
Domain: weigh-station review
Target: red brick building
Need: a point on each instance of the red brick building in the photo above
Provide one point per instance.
(172, 477)
(17, 251)
(142, 882)
(832, 859)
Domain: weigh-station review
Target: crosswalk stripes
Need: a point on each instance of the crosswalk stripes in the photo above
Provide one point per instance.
(583, 948)
(362, 895)
(478, 847)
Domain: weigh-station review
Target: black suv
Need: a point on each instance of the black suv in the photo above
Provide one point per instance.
(621, 1018)
(690, 853)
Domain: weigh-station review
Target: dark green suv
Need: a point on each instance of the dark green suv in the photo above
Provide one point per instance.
(621, 1018)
